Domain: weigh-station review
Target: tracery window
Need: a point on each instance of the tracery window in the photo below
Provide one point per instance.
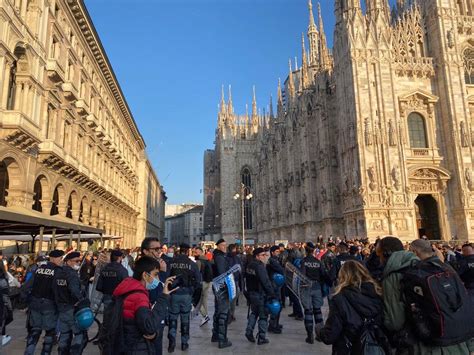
(417, 131)
(247, 182)
(469, 65)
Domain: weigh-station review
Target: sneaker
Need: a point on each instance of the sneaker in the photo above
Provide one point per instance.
(250, 337)
(262, 341)
(224, 344)
(205, 320)
(6, 339)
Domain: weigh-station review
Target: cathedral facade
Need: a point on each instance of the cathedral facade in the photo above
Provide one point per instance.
(375, 137)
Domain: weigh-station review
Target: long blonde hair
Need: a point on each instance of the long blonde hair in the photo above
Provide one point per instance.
(354, 274)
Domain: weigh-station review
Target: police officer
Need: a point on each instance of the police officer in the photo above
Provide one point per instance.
(42, 312)
(342, 257)
(466, 268)
(259, 290)
(274, 267)
(222, 304)
(189, 279)
(68, 294)
(110, 276)
(312, 268)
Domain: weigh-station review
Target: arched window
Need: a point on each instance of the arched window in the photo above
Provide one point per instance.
(4, 183)
(12, 87)
(38, 196)
(247, 182)
(417, 131)
(469, 65)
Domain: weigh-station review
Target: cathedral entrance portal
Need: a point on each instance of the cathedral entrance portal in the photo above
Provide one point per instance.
(427, 218)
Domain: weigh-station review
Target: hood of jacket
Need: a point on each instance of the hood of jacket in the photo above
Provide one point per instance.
(127, 285)
(365, 300)
(399, 260)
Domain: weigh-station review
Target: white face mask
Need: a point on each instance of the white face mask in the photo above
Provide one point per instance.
(76, 267)
(170, 254)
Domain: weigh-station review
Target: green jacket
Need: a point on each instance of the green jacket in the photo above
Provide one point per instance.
(394, 307)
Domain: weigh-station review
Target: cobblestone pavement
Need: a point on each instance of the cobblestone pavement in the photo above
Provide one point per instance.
(291, 341)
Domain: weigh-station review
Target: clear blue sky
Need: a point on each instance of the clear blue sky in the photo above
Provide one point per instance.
(171, 57)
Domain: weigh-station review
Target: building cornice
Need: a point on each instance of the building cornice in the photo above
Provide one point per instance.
(85, 24)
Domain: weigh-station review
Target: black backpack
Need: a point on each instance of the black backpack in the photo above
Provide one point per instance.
(370, 339)
(111, 335)
(437, 303)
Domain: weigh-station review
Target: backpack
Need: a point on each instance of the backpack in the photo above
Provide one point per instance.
(111, 335)
(437, 303)
(370, 339)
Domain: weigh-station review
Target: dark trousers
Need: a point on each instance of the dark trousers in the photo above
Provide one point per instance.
(257, 312)
(221, 312)
(312, 314)
(297, 310)
(180, 307)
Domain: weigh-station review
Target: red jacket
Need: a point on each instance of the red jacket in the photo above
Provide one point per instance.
(134, 301)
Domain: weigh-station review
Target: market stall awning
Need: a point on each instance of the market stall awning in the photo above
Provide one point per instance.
(22, 238)
(21, 221)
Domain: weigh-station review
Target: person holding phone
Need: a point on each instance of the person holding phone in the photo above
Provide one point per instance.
(142, 323)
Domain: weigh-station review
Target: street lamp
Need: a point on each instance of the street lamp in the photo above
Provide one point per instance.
(243, 196)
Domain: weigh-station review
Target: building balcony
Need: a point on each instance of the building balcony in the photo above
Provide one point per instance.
(92, 120)
(70, 91)
(82, 107)
(19, 130)
(51, 153)
(55, 70)
(113, 148)
(424, 154)
(100, 131)
(106, 140)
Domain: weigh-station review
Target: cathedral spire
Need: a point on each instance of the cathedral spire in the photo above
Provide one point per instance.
(230, 106)
(270, 109)
(304, 66)
(323, 46)
(312, 37)
(254, 104)
(279, 99)
(222, 104)
(291, 83)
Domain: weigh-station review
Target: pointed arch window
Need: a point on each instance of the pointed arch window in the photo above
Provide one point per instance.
(246, 179)
(469, 65)
(417, 131)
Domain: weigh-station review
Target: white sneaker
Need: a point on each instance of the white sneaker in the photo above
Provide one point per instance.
(6, 339)
(205, 320)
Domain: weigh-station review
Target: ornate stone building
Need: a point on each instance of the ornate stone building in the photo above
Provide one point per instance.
(373, 138)
(69, 145)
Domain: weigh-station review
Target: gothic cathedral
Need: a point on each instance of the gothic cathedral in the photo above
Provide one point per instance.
(373, 138)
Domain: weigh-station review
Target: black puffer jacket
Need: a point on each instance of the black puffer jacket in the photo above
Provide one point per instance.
(345, 322)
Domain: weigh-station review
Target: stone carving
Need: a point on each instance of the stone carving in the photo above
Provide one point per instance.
(355, 179)
(464, 135)
(337, 195)
(334, 162)
(290, 180)
(392, 139)
(285, 185)
(322, 158)
(372, 178)
(367, 133)
(468, 176)
(297, 179)
(303, 170)
(314, 171)
(396, 177)
(305, 203)
(324, 196)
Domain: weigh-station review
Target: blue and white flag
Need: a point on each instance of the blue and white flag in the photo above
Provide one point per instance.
(231, 288)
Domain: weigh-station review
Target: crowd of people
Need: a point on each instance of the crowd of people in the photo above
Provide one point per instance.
(386, 297)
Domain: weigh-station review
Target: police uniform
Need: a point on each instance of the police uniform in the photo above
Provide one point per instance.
(340, 260)
(42, 311)
(110, 276)
(314, 270)
(68, 293)
(259, 289)
(274, 267)
(181, 300)
(466, 272)
(221, 304)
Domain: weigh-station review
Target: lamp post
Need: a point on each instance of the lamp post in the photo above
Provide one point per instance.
(243, 196)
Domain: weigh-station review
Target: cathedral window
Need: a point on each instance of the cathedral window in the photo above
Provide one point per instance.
(417, 131)
(247, 182)
(469, 65)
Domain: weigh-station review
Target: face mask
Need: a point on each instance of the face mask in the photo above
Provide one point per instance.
(152, 285)
(170, 255)
(76, 267)
(41, 263)
(134, 255)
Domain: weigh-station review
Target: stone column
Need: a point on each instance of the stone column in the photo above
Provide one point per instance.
(75, 214)
(62, 209)
(46, 206)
